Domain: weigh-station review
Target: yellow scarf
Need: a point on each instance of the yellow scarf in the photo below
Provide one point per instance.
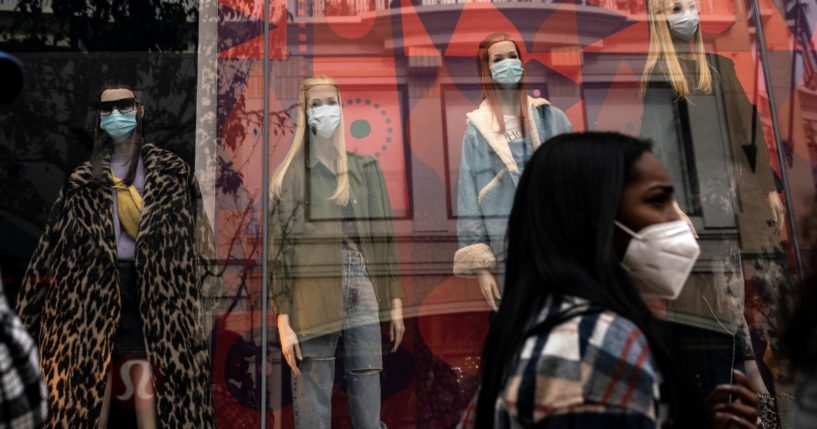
(129, 204)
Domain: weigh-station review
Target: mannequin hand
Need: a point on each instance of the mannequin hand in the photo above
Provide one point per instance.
(742, 411)
(397, 327)
(685, 218)
(778, 209)
(753, 374)
(490, 289)
(289, 343)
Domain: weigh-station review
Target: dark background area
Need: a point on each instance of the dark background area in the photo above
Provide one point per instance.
(69, 49)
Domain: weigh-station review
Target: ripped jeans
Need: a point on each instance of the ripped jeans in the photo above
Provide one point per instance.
(362, 358)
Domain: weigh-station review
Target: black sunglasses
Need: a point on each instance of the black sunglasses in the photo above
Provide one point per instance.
(123, 105)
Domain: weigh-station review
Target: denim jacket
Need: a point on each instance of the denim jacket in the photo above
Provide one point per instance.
(487, 183)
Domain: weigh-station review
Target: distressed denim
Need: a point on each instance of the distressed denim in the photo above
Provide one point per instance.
(361, 352)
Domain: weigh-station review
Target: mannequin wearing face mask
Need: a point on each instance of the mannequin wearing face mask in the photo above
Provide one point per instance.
(709, 136)
(333, 262)
(111, 290)
(499, 139)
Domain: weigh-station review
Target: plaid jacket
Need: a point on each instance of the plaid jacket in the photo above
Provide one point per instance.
(592, 370)
(22, 391)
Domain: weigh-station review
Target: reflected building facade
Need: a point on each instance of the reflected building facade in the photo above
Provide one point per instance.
(408, 76)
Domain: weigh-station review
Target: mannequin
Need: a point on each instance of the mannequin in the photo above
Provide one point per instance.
(111, 289)
(694, 107)
(334, 263)
(500, 137)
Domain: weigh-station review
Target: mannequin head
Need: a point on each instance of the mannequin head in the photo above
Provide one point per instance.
(664, 48)
(321, 97)
(493, 49)
(117, 99)
(315, 92)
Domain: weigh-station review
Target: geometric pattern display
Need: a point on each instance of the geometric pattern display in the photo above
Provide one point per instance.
(394, 60)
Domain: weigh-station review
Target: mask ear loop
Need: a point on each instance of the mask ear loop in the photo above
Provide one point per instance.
(313, 128)
(628, 230)
(732, 368)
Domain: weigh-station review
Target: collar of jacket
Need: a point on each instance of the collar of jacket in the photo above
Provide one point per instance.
(484, 121)
(359, 167)
(152, 159)
(157, 163)
(354, 165)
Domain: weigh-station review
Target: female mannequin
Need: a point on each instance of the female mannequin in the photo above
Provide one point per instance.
(114, 282)
(333, 263)
(500, 137)
(694, 109)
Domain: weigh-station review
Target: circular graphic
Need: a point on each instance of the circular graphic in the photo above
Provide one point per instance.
(365, 126)
(360, 129)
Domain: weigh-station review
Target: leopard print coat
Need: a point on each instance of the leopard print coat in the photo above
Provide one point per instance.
(69, 300)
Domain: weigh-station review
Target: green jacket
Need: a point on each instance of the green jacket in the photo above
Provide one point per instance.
(306, 259)
(704, 129)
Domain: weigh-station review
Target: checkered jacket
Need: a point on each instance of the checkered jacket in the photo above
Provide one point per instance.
(593, 370)
(22, 391)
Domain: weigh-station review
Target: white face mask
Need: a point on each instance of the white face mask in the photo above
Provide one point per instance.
(324, 120)
(660, 257)
(682, 26)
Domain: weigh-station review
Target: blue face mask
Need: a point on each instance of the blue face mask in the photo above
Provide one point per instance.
(118, 125)
(507, 73)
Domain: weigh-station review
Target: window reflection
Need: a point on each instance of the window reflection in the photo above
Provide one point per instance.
(709, 135)
(416, 109)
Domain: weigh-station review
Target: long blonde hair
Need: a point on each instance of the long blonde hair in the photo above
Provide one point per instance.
(662, 49)
(341, 194)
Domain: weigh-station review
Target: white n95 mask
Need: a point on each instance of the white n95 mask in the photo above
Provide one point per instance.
(324, 120)
(660, 257)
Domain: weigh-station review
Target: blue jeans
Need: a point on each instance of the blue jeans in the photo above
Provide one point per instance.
(362, 357)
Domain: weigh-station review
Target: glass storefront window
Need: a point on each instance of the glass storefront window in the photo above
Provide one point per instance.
(325, 191)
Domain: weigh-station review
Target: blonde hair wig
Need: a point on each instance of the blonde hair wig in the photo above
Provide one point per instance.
(662, 49)
(341, 194)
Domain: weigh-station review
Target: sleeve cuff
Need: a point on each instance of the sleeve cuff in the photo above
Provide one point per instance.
(283, 306)
(779, 186)
(395, 291)
(469, 260)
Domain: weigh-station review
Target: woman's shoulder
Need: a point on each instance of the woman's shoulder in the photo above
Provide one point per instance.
(81, 174)
(362, 162)
(473, 140)
(658, 76)
(360, 158)
(595, 358)
(552, 117)
(588, 333)
(164, 159)
(483, 108)
(480, 120)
